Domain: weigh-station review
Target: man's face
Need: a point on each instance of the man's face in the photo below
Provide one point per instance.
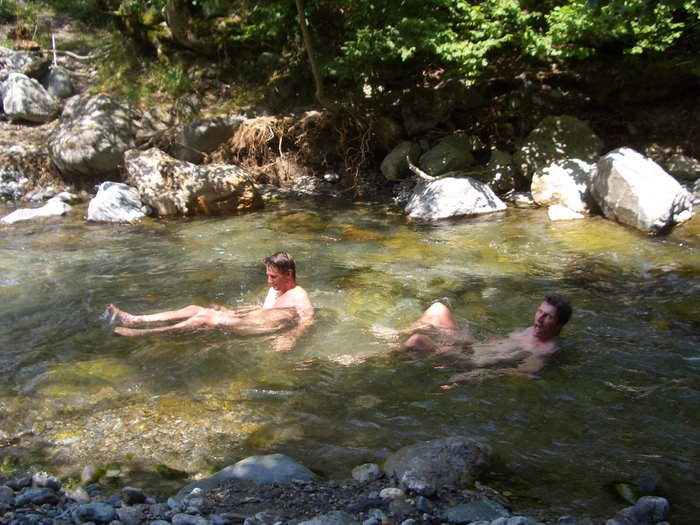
(278, 280)
(546, 325)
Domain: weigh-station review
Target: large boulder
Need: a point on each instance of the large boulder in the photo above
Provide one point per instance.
(57, 83)
(116, 202)
(178, 188)
(92, 136)
(500, 173)
(633, 190)
(451, 153)
(394, 166)
(557, 138)
(683, 167)
(451, 197)
(424, 108)
(563, 183)
(203, 136)
(452, 463)
(23, 98)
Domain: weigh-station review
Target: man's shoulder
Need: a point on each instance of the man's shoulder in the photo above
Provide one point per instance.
(302, 296)
(296, 297)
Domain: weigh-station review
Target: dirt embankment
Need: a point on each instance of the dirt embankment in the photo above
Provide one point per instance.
(653, 109)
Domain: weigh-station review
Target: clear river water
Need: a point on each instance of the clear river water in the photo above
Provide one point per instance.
(619, 404)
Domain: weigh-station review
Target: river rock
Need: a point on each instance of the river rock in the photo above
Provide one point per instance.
(189, 519)
(43, 479)
(683, 167)
(481, 509)
(133, 495)
(633, 190)
(203, 136)
(451, 197)
(271, 468)
(116, 202)
(57, 83)
(36, 496)
(130, 515)
(178, 188)
(649, 510)
(453, 462)
(7, 495)
(367, 472)
(92, 136)
(24, 98)
(54, 207)
(37, 68)
(500, 172)
(565, 183)
(557, 138)
(335, 517)
(394, 165)
(15, 60)
(424, 108)
(451, 153)
(97, 512)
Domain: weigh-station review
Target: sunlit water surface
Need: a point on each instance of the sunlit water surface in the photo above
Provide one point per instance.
(619, 404)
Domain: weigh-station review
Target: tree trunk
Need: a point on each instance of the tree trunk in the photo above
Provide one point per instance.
(177, 14)
(320, 94)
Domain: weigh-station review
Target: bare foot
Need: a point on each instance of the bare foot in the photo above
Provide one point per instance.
(121, 316)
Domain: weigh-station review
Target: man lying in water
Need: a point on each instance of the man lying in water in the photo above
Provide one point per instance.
(286, 307)
(437, 331)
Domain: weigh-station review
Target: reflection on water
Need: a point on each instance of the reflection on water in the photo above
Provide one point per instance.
(620, 403)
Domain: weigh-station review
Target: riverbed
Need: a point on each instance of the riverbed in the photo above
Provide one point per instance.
(619, 403)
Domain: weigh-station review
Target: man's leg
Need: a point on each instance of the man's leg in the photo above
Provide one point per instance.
(448, 332)
(203, 319)
(170, 315)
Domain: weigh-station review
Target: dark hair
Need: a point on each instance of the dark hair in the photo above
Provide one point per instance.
(563, 306)
(281, 261)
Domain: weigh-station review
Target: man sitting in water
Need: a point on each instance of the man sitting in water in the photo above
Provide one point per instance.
(287, 305)
(437, 331)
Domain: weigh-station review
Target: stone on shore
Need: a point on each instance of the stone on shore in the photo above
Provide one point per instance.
(633, 190)
(271, 468)
(451, 197)
(453, 462)
(178, 188)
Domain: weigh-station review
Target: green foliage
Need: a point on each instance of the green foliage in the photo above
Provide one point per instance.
(582, 28)
(137, 79)
(455, 35)
(8, 11)
(368, 40)
(137, 7)
(86, 11)
(263, 25)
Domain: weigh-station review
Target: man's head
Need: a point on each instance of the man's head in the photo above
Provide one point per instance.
(282, 262)
(551, 316)
(281, 271)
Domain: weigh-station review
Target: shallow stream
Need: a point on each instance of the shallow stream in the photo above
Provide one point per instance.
(620, 403)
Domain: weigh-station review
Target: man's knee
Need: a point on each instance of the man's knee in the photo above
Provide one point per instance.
(203, 317)
(439, 315)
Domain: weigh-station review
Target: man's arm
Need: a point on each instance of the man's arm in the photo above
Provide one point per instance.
(286, 341)
(528, 368)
